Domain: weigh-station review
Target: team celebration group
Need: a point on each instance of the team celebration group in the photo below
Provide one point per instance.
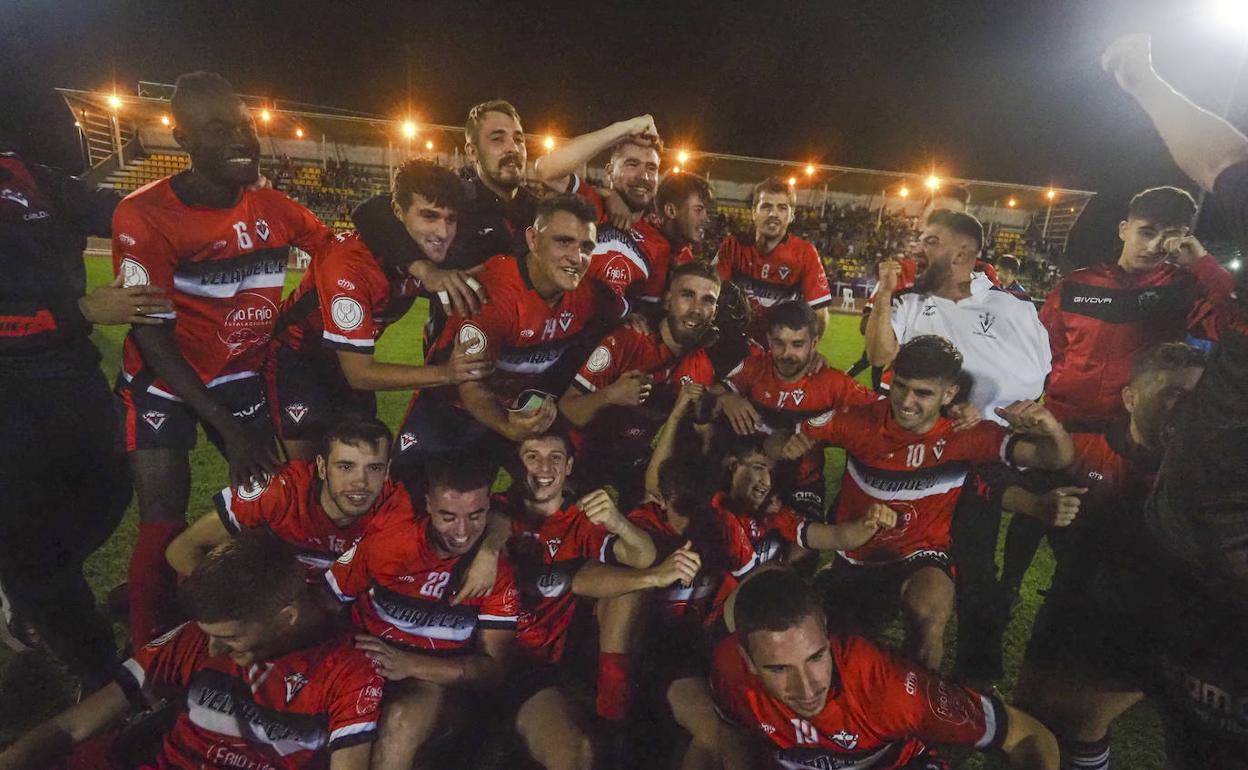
(601, 535)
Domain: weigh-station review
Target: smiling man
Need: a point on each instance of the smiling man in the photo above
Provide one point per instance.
(1099, 318)
(218, 249)
(794, 695)
(323, 363)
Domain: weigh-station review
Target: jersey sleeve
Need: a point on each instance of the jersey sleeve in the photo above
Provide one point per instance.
(166, 663)
(726, 258)
(740, 379)
(348, 302)
(790, 526)
(501, 606)
(986, 442)
(741, 554)
(911, 702)
(489, 330)
(604, 366)
(354, 702)
(815, 287)
(830, 427)
(142, 256)
(593, 541)
(900, 317)
(253, 505)
(348, 576)
(729, 690)
(583, 188)
(1055, 324)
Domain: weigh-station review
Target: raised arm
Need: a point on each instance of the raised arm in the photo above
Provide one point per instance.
(596, 580)
(189, 548)
(665, 444)
(555, 169)
(1201, 143)
(1044, 442)
(880, 339)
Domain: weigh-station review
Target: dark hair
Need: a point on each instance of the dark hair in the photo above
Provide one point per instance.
(461, 474)
(928, 357)
(430, 181)
(773, 184)
(656, 145)
(249, 577)
(1166, 357)
(1163, 206)
(775, 600)
(956, 191)
(696, 268)
(961, 223)
(354, 430)
(796, 315)
(1008, 262)
(568, 202)
(195, 87)
(686, 483)
(476, 116)
(742, 446)
(676, 188)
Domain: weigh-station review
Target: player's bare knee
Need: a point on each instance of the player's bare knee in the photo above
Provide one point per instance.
(690, 701)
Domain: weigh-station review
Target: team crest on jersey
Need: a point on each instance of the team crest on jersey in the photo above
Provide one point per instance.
(472, 338)
(599, 360)
(132, 273)
(347, 313)
(686, 379)
(784, 272)
(986, 320)
(126, 239)
(253, 488)
(262, 229)
(938, 448)
(798, 396)
(297, 412)
(155, 419)
(846, 740)
(565, 319)
(406, 441)
(1148, 299)
(294, 683)
(552, 546)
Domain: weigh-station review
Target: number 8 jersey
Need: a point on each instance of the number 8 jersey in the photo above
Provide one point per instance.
(402, 587)
(223, 269)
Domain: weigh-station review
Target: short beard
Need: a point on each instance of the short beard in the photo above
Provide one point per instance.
(933, 277)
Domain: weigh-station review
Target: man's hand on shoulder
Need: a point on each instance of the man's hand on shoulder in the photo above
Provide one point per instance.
(118, 304)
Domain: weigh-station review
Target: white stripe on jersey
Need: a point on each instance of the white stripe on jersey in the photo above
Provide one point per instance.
(333, 586)
(624, 249)
(135, 670)
(584, 383)
(345, 730)
(155, 391)
(938, 485)
(990, 723)
(235, 726)
(194, 286)
(227, 499)
(347, 341)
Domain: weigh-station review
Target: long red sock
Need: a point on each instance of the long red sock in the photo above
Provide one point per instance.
(615, 685)
(152, 580)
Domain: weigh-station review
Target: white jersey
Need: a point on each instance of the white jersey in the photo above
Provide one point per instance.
(1003, 344)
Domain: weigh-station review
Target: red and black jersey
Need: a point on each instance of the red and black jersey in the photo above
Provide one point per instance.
(791, 271)
(401, 586)
(626, 349)
(918, 475)
(1100, 318)
(523, 334)
(880, 712)
(633, 262)
(222, 268)
(784, 405)
(285, 713)
(547, 555)
(346, 299)
(726, 555)
(289, 505)
(769, 530)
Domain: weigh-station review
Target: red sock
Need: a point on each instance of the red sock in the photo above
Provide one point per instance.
(615, 685)
(152, 580)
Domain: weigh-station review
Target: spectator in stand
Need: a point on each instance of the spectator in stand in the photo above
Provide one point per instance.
(1099, 318)
(1007, 270)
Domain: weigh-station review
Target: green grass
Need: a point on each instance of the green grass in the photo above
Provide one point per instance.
(32, 687)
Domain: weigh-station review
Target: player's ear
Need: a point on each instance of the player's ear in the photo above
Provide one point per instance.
(1129, 398)
(470, 151)
(320, 466)
(396, 208)
(530, 238)
(289, 615)
(570, 461)
(951, 393)
(669, 210)
(1122, 230)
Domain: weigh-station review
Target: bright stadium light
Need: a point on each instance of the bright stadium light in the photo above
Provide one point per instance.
(1229, 15)
(114, 101)
(549, 143)
(933, 183)
(1051, 194)
(904, 192)
(265, 116)
(810, 170)
(1234, 264)
(409, 129)
(792, 181)
(682, 157)
(429, 144)
(1011, 203)
(299, 133)
(676, 170)
(164, 120)
(77, 124)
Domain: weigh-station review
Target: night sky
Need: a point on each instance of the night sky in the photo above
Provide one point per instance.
(1008, 90)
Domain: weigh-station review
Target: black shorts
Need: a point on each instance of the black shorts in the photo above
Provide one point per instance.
(155, 422)
(436, 428)
(865, 597)
(307, 393)
(671, 652)
(527, 680)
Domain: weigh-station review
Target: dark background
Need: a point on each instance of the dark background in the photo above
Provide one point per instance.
(1009, 90)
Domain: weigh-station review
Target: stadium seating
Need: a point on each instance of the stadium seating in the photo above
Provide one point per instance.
(147, 170)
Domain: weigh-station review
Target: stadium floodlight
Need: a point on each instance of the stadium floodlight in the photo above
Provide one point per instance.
(933, 183)
(676, 170)
(265, 116)
(299, 133)
(409, 129)
(114, 101)
(549, 143)
(164, 120)
(1051, 194)
(429, 144)
(77, 124)
(792, 181)
(810, 170)
(1229, 15)
(1011, 203)
(683, 157)
(904, 192)
(1234, 264)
